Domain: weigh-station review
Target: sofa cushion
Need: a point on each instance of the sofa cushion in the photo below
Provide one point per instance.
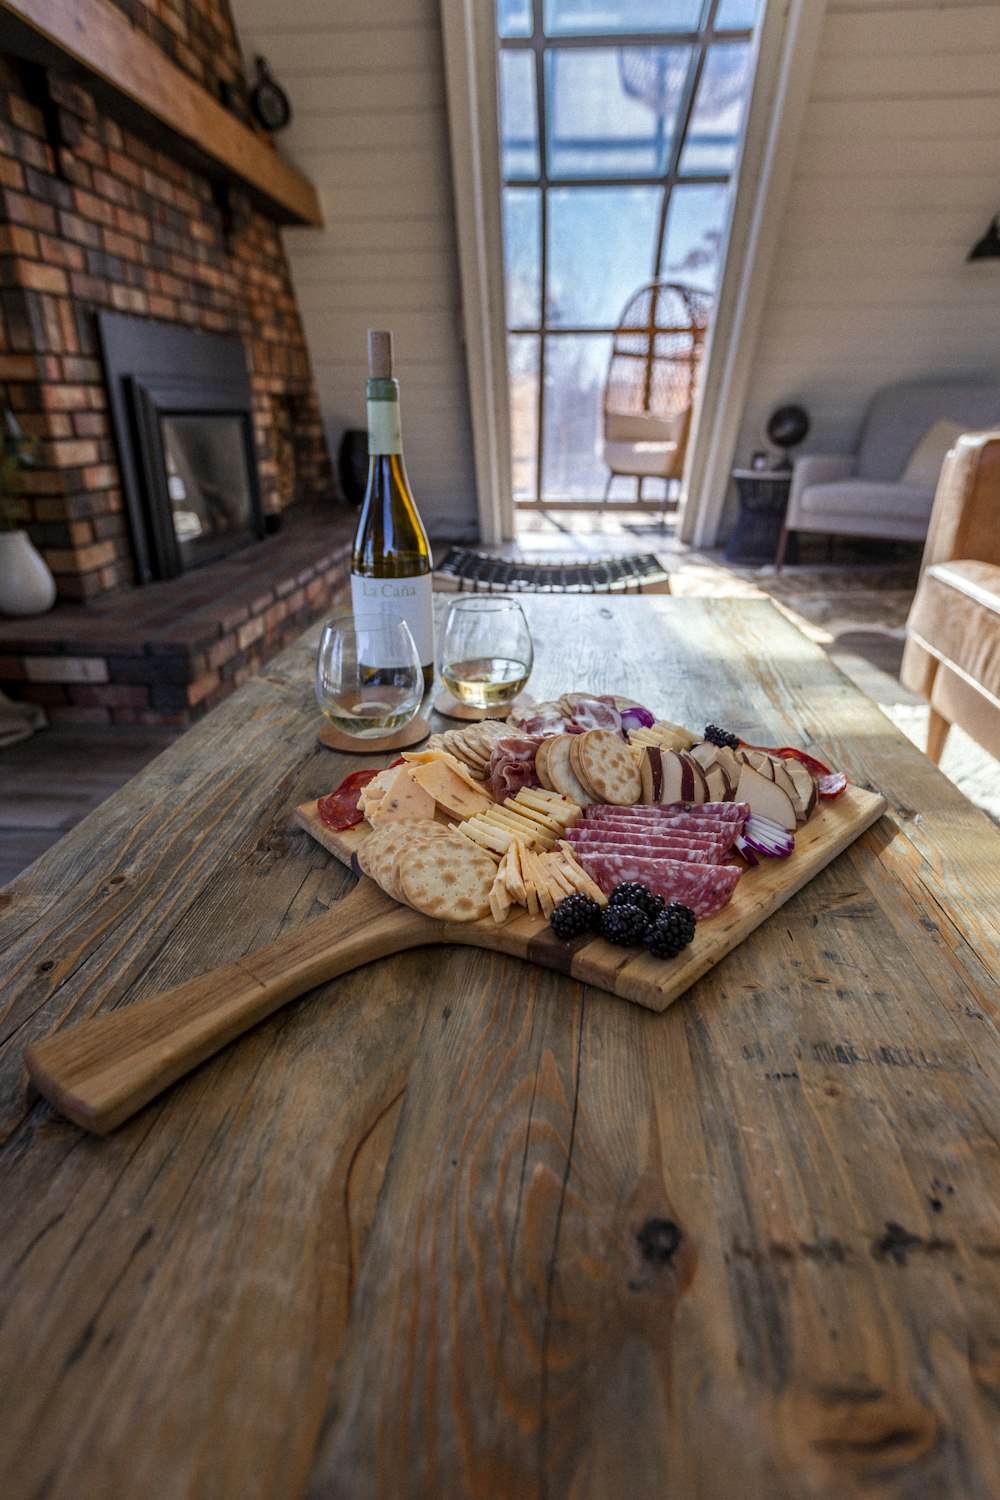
(850, 498)
(956, 617)
(900, 415)
(924, 464)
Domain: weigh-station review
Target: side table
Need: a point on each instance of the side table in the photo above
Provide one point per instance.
(763, 496)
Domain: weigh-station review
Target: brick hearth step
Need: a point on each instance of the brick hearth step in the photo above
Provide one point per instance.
(167, 653)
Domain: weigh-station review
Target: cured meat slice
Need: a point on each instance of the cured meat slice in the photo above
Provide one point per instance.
(512, 766)
(685, 824)
(705, 888)
(653, 849)
(595, 713)
(341, 809)
(726, 812)
(712, 850)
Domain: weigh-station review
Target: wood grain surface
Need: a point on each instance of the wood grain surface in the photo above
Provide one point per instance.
(458, 1226)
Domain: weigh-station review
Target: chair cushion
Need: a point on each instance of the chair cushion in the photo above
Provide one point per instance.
(924, 463)
(642, 458)
(956, 616)
(861, 500)
(644, 427)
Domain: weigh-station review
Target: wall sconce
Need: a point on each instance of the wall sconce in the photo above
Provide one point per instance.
(988, 248)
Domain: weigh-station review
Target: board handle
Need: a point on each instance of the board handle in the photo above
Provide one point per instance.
(102, 1070)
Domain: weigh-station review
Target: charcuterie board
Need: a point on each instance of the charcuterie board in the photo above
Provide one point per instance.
(628, 973)
(101, 1071)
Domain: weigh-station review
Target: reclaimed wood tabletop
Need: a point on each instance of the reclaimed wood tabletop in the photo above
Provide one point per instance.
(453, 1225)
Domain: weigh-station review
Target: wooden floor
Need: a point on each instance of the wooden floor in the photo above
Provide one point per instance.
(854, 607)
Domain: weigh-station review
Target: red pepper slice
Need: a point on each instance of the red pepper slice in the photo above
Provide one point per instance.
(829, 783)
(340, 809)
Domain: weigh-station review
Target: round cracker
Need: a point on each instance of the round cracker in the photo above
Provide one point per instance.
(448, 878)
(378, 852)
(541, 769)
(609, 767)
(559, 770)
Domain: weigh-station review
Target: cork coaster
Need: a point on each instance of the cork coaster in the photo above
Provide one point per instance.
(401, 739)
(450, 707)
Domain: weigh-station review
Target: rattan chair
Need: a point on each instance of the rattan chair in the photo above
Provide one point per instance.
(651, 382)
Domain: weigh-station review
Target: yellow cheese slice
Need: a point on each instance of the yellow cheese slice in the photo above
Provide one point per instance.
(451, 791)
(403, 801)
(523, 827)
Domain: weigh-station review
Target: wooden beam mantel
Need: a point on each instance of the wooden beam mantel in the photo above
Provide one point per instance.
(130, 75)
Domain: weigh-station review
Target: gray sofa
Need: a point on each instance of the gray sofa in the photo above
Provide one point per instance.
(862, 494)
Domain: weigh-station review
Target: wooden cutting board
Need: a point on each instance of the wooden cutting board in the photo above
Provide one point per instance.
(101, 1071)
(625, 972)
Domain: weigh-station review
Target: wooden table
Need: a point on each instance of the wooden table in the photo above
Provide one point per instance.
(454, 1226)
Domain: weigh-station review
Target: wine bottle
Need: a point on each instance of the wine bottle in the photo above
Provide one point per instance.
(391, 562)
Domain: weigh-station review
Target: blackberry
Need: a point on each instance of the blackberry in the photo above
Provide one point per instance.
(634, 893)
(625, 926)
(720, 737)
(672, 930)
(574, 916)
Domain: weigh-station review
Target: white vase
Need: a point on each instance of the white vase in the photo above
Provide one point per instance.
(26, 584)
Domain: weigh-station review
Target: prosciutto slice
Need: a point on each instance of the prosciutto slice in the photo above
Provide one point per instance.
(512, 765)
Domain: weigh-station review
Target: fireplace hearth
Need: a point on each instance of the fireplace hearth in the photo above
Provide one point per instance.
(182, 410)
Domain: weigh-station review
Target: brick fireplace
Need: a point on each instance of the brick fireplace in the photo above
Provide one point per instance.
(102, 214)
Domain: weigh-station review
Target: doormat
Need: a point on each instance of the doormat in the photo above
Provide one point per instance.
(463, 571)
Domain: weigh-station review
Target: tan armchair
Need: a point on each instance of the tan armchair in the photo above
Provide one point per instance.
(952, 652)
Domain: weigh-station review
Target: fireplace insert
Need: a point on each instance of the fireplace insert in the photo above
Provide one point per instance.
(183, 419)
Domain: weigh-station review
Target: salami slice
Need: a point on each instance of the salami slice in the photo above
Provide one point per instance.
(653, 849)
(712, 851)
(725, 812)
(340, 809)
(705, 888)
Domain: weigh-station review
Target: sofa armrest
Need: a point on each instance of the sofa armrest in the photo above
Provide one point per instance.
(815, 468)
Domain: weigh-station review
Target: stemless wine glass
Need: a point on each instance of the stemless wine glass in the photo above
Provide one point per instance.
(486, 650)
(369, 680)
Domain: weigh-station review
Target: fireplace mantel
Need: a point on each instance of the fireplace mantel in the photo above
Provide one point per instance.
(153, 96)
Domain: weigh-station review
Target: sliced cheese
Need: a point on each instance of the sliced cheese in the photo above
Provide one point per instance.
(429, 757)
(531, 833)
(450, 790)
(402, 801)
(487, 835)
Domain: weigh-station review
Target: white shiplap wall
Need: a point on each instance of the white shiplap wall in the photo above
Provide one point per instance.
(897, 173)
(366, 83)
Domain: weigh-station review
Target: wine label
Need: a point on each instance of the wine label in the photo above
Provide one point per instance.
(384, 435)
(376, 601)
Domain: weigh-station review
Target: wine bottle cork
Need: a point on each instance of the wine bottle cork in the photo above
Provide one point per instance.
(379, 355)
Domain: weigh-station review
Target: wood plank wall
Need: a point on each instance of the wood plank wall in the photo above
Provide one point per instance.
(366, 83)
(896, 177)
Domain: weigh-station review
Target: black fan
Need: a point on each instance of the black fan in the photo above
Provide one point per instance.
(787, 427)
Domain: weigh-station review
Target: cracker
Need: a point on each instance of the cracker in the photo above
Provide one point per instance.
(448, 878)
(378, 853)
(560, 771)
(605, 763)
(541, 766)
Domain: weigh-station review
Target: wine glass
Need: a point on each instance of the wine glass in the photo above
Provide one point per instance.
(486, 650)
(369, 681)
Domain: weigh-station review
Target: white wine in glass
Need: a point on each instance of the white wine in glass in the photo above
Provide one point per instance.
(363, 699)
(486, 650)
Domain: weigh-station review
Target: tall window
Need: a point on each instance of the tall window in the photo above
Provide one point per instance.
(620, 122)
